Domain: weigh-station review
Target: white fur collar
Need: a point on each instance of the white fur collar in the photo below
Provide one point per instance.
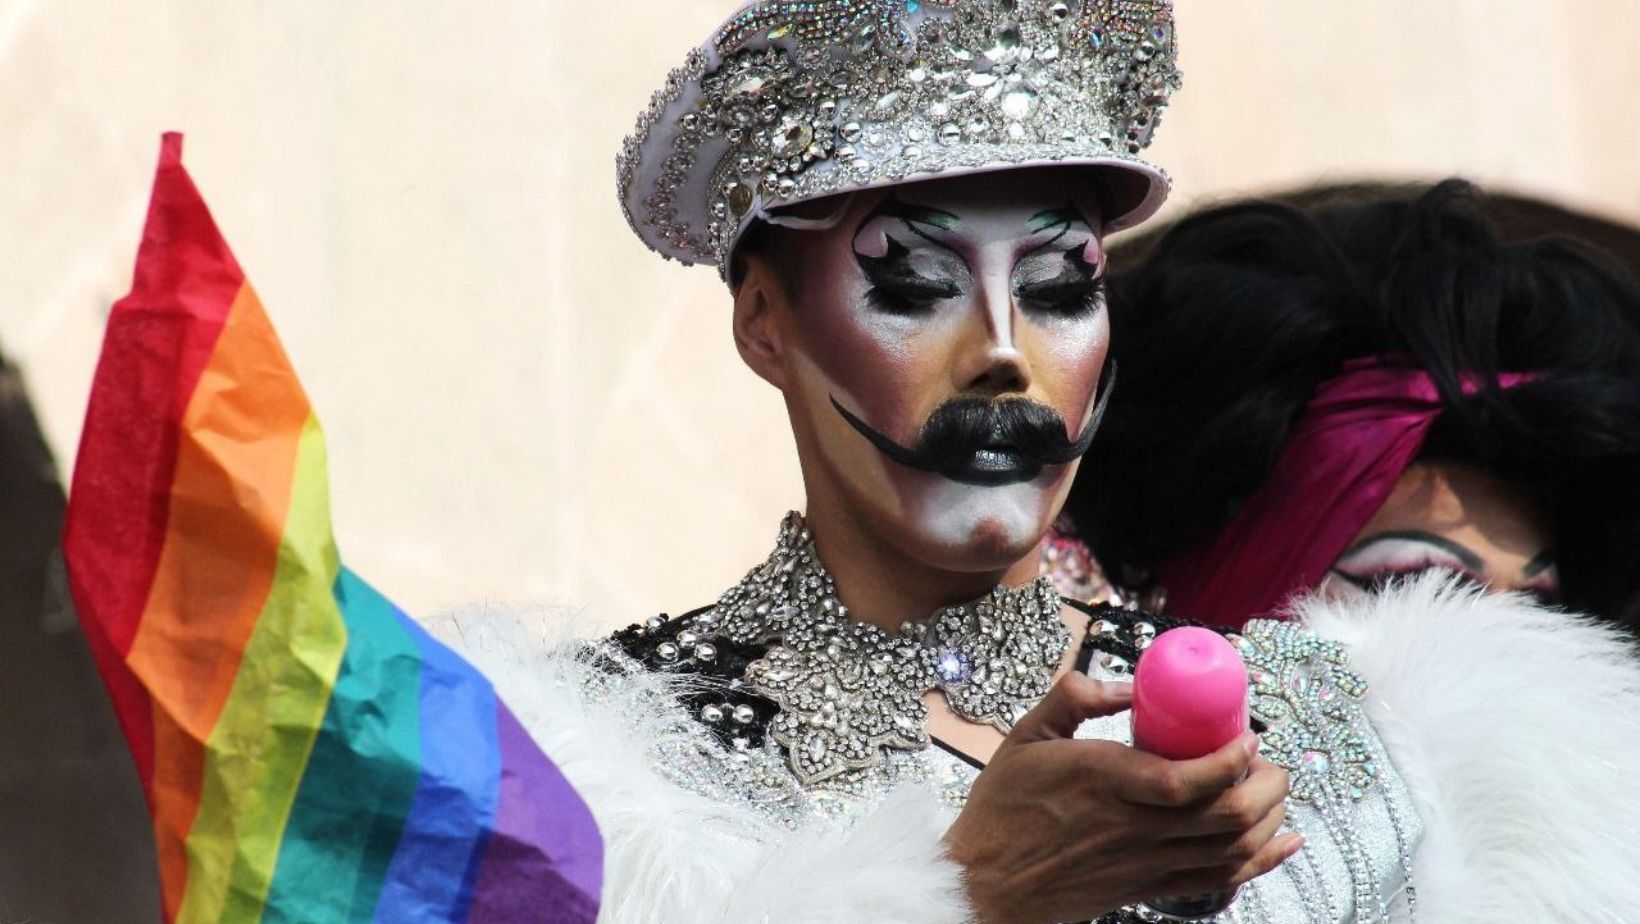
(1517, 730)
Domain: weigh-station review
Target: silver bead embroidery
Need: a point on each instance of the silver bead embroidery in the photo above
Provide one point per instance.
(795, 99)
(849, 691)
(1302, 689)
(759, 776)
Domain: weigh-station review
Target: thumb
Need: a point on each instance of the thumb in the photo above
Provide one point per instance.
(1073, 700)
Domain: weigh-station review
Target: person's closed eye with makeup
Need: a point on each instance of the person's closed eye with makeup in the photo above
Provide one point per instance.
(1457, 518)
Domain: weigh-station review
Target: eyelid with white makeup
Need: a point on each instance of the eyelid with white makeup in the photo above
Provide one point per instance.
(1375, 562)
(898, 289)
(1378, 550)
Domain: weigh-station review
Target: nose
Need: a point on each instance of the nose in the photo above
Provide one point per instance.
(990, 361)
(1001, 372)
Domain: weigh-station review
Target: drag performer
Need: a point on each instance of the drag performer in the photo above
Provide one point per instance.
(892, 718)
(1398, 390)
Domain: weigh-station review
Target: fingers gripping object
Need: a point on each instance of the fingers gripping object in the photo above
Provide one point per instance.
(1189, 700)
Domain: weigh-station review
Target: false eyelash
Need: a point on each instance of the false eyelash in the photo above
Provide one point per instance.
(1055, 291)
(1075, 301)
(895, 303)
(1363, 584)
(1380, 581)
(912, 286)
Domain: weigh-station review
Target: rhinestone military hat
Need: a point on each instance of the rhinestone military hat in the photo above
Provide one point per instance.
(792, 100)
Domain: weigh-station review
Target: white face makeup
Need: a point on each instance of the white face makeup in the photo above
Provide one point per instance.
(934, 292)
(1453, 518)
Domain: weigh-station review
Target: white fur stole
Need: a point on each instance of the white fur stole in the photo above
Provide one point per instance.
(1517, 730)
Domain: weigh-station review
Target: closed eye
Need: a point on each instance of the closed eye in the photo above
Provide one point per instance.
(1064, 296)
(911, 285)
(1078, 288)
(898, 289)
(1379, 581)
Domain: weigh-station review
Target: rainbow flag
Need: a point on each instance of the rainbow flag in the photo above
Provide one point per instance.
(308, 752)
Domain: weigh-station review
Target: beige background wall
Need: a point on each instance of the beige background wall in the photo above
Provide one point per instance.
(522, 403)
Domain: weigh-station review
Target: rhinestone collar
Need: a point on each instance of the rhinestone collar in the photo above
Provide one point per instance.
(848, 690)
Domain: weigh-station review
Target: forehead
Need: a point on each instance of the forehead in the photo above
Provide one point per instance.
(988, 208)
(995, 203)
(1018, 194)
(1461, 501)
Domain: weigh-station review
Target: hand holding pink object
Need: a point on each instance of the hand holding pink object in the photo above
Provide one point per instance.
(1059, 828)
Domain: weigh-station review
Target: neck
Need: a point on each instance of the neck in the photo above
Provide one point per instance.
(881, 585)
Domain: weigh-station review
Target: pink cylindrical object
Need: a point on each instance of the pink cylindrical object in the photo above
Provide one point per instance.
(1189, 694)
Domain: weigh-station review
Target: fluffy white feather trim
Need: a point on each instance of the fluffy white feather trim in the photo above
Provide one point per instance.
(1517, 730)
(673, 855)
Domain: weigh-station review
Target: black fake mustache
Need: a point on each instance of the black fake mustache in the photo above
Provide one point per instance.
(963, 427)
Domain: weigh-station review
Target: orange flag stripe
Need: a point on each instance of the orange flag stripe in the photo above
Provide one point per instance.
(238, 453)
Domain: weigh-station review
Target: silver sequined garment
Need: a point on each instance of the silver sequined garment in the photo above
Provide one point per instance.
(757, 773)
(1353, 809)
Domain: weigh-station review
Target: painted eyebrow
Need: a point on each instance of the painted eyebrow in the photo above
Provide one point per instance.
(1061, 218)
(1462, 553)
(1053, 218)
(912, 216)
(1543, 562)
(895, 207)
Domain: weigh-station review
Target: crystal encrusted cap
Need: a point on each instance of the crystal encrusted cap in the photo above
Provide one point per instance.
(792, 100)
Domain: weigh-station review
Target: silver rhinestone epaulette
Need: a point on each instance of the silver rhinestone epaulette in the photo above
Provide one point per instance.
(1301, 686)
(1303, 690)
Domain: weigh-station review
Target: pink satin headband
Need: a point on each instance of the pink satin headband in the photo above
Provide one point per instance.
(1358, 433)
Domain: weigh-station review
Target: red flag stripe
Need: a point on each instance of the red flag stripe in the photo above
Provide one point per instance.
(158, 342)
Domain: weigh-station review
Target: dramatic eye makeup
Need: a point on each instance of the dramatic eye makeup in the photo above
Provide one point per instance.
(1056, 277)
(1542, 579)
(907, 281)
(1377, 560)
(1374, 563)
(907, 256)
(898, 287)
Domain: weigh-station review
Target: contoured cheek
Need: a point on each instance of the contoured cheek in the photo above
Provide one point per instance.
(1068, 354)
(887, 368)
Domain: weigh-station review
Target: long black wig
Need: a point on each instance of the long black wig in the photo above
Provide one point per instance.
(1224, 323)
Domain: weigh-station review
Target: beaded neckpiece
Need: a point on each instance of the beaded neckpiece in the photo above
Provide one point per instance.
(848, 690)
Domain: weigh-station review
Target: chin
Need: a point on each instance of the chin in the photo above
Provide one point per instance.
(989, 546)
(968, 528)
